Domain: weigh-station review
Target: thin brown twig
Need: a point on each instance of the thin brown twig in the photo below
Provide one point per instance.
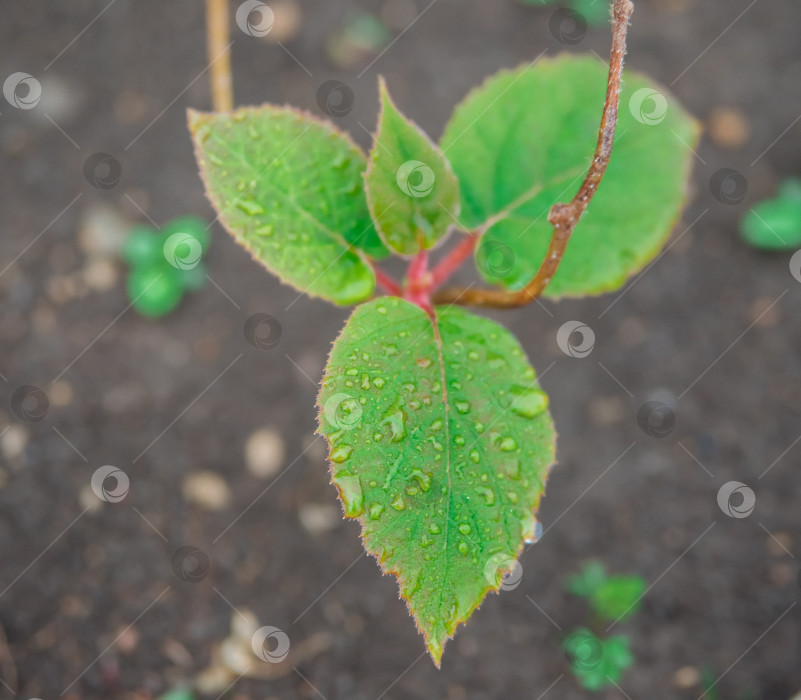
(218, 49)
(564, 217)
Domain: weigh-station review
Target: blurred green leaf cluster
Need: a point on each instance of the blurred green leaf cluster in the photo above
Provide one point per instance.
(775, 224)
(165, 264)
(612, 598)
(179, 693)
(597, 663)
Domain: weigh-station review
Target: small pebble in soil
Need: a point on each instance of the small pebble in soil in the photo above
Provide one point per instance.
(14, 441)
(207, 489)
(60, 394)
(318, 518)
(102, 231)
(127, 639)
(779, 544)
(100, 275)
(606, 410)
(264, 453)
(88, 500)
(287, 20)
(686, 677)
(728, 127)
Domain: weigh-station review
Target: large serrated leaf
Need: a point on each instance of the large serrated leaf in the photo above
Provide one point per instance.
(411, 190)
(440, 444)
(289, 188)
(523, 141)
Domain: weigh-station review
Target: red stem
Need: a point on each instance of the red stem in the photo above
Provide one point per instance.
(386, 282)
(418, 282)
(453, 260)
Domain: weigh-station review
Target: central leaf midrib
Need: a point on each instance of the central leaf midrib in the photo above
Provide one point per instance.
(447, 408)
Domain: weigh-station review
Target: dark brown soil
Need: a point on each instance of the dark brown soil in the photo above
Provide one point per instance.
(693, 329)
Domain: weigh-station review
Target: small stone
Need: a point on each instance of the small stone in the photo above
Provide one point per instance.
(244, 624)
(88, 500)
(728, 127)
(606, 410)
(60, 394)
(264, 453)
(177, 653)
(779, 544)
(127, 639)
(62, 288)
(102, 231)
(207, 489)
(287, 20)
(317, 518)
(686, 677)
(214, 680)
(100, 275)
(14, 441)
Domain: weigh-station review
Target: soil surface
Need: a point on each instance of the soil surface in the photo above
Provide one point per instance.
(97, 598)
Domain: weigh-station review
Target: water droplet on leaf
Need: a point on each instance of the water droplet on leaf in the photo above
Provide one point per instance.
(350, 491)
(341, 453)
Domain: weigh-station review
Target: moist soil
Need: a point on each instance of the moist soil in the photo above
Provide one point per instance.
(92, 606)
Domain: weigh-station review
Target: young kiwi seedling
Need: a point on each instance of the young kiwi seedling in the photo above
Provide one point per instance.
(439, 433)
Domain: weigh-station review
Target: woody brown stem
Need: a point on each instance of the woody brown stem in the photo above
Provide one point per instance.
(219, 54)
(564, 217)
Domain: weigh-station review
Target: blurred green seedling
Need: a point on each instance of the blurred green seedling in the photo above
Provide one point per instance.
(612, 598)
(165, 264)
(597, 663)
(775, 224)
(179, 693)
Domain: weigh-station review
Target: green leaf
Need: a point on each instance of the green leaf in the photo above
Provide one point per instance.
(597, 663)
(411, 190)
(155, 290)
(775, 224)
(588, 580)
(612, 597)
(289, 188)
(618, 597)
(523, 142)
(179, 693)
(440, 444)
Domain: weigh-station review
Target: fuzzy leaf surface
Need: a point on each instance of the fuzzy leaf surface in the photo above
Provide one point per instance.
(289, 188)
(523, 141)
(411, 190)
(440, 445)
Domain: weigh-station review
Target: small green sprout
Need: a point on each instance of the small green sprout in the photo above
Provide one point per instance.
(775, 224)
(612, 598)
(165, 264)
(597, 663)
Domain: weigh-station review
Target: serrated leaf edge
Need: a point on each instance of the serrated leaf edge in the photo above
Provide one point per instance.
(194, 117)
(435, 650)
(383, 93)
(615, 284)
